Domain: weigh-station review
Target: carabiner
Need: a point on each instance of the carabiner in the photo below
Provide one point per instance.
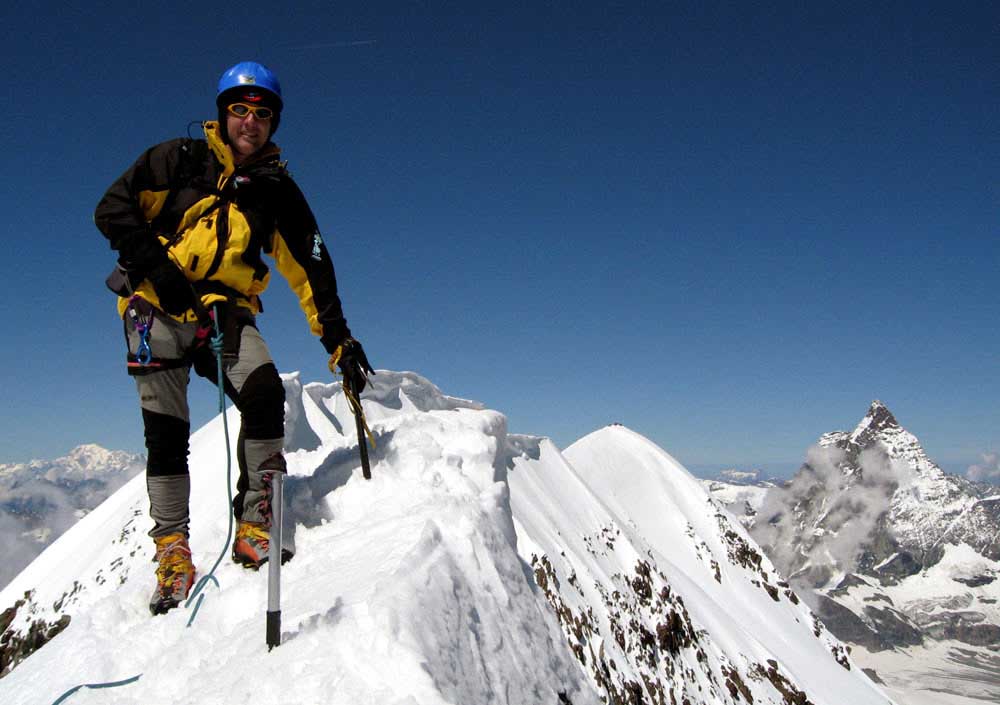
(144, 354)
(142, 325)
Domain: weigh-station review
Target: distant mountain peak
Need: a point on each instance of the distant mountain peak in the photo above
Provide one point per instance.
(877, 421)
(870, 504)
(88, 450)
(880, 414)
(878, 405)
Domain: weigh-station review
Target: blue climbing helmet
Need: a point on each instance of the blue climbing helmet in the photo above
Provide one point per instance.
(251, 82)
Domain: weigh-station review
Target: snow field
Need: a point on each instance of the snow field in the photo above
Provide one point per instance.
(404, 589)
(418, 587)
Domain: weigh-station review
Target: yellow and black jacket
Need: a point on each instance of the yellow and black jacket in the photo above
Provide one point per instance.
(216, 219)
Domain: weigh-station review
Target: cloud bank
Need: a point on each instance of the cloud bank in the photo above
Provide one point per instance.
(821, 522)
(40, 500)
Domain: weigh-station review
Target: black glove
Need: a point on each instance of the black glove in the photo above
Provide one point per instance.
(354, 365)
(140, 252)
(172, 288)
(257, 189)
(142, 256)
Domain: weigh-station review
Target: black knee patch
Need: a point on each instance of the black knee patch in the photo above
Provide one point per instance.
(166, 444)
(261, 402)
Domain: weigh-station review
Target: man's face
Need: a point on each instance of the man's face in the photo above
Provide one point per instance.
(247, 134)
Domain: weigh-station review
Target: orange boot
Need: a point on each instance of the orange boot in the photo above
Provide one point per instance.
(174, 573)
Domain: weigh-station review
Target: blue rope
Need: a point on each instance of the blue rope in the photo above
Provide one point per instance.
(69, 692)
(216, 344)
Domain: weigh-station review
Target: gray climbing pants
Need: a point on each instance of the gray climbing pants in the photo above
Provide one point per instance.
(250, 381)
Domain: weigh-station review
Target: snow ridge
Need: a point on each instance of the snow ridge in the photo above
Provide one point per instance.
(475, 567)
(405, 589)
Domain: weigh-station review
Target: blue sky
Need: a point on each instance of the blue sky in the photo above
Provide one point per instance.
(729, 227)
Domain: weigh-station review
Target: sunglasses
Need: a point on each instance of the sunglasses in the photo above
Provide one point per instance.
(241, 110)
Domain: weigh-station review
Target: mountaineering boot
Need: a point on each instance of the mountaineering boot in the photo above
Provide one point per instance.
(254, 516)
(252, 543)
(174, 573)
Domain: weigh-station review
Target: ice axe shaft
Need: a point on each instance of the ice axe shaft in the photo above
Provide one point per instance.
(366, 469)
(274, 563)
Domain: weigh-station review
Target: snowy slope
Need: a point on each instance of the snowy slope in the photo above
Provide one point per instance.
(661, 591)
(405, 589)
(741, 500)
(475, 567)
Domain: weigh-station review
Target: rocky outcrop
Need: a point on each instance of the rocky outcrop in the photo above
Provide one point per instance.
(17, 645)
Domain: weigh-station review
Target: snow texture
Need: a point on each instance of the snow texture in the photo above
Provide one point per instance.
(474, 567)
(663, 593)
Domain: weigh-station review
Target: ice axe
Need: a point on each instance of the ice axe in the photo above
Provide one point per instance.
(362, 427)
(354, 399)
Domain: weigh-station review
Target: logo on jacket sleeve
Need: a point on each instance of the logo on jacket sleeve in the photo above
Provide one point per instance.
(317, 253)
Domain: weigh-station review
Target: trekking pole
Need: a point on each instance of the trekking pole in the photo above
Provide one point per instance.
(274, 564)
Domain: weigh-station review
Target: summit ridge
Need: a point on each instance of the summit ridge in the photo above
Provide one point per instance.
(476, 566)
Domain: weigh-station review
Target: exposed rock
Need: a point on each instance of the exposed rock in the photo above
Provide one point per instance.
(871, 673)
(892, 628)
(17, 645)
(849, 626)
(791, 694)
(850, 580)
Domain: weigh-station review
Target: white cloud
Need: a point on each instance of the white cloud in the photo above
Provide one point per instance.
(827, 515)
(989, 471)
